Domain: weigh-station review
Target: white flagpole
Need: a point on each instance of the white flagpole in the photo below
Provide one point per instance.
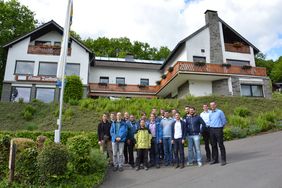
(61, 68)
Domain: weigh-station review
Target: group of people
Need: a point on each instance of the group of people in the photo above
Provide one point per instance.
(161, 137)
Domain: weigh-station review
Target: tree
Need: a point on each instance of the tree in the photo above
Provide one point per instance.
(276, 73)
(261, 61)
(15, 20)
(73, 88)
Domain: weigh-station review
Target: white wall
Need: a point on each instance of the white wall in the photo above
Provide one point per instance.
(200, 88)
(132, 76)
(198, 42)
(19, 52)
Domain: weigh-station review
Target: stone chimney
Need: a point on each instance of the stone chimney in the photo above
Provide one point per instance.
(212, 19)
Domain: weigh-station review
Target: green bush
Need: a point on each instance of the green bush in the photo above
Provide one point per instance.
(73, 102)
(254, 129)
(238, 132)
(68, 114)
(31, 126)
(73, 88)
(4, 154)
(238, 121)
(79, 148)
(26, 166)
(263, 124)
(227, 133)
(52, 161)
(242, 111)
(28, 112)
(87, 104)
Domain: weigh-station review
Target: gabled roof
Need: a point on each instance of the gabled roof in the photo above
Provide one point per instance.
(181, 43)
(42, 30)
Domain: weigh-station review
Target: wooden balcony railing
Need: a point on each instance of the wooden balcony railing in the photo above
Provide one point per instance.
(213, 69)
(238, 48)
(113, 88)
(46, 50)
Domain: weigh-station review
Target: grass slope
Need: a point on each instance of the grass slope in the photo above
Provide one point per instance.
(85, 115)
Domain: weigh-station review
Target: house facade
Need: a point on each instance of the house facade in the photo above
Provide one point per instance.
(214, 60)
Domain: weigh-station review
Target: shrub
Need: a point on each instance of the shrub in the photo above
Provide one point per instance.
(73, 102)
(26, 166)
(28, 112)
(238, 121)
(68, 114)
(22, 144)
(242, 111)
(79, 148)
(98, 160)
(254, 129)
(263, 124)
(73, 88)
(52, 161)
(87, 104)
(4, 154)
(237, 132)
(31, 126)
(227, 135)
(163, 76)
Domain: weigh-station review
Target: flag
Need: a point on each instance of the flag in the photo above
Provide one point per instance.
(64, 46)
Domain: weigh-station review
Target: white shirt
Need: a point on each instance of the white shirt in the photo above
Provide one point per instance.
(177, 130)
(206, 117)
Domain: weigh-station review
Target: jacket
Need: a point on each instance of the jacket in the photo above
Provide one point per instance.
(159, 131)
(104, 131)
(183, 128)
(193, 125)
(122, 131)
(143, 138)
(131, 129)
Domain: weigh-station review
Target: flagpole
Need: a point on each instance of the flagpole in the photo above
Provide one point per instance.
(61, 68)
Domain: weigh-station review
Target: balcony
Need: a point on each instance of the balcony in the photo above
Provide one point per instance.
(97, 89)
(46, 50)
(237, 48)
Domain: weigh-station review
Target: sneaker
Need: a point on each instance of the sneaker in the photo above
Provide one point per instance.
(120, 169)
(177, 166)
(189, 164)
(182, 166)
(223, 163)
(146, 168)
(213, 162)
(200, 164)
(137, 168)
(115, 168)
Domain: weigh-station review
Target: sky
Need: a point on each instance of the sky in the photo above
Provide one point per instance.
(166, 22)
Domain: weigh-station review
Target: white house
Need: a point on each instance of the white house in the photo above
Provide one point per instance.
(214, 60)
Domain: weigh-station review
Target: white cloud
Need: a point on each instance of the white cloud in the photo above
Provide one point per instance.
(166, 22)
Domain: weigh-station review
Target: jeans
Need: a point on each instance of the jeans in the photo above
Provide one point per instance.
(167, 150)
(118, 153)
(155, 152)
(194, 140)
(128, 152)
(206, 137)
(178, 151)
(216, 135)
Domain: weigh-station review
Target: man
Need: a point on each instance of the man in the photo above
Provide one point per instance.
(113, 117)
(173, 112)
(118, 134)
(186, 112)
(217, 122)
(155, 112)
(166, 125)
(205, 115)
(104, 137)
(178, 138)
(156, 131)
(126, 145)
(129, 144)
(126, 117)
(193, 125)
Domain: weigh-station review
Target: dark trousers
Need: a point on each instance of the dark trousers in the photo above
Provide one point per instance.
(178, 151)
(216, 135)
(161, 151)
(206, 137)
(155, 152)
(128, 152)
(142, 155)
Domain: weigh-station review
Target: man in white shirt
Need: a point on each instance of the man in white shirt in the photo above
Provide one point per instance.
(206, 131)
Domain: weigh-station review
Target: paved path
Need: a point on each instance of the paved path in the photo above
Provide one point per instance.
(254, 162)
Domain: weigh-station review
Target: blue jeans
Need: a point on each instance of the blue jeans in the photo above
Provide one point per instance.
(194, 148)
(167, 150)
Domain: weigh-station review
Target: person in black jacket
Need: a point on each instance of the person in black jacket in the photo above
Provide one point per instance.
(193, 126)
(104, 137)
(178, 135)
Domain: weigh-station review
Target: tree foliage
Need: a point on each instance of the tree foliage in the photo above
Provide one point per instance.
(121, 47)
(15, 20)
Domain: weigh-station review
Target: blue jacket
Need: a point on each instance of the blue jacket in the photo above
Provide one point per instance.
(131, 129)
(159, 131)
(183, 128)
(193, 125)
(122, 131)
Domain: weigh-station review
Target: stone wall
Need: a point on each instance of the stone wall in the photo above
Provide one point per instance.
(6, 92)
(220, 87)
(183, 90)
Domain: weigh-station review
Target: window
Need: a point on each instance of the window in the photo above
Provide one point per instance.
(47, 69)
(58, 44)
(24, 67)
(21, 93)
(104, 80)
(72, 69)
(251, 90)
(144, 81)
(199, 59)
(42, 43)
(237, 62)
(120, 80)
(45, 94)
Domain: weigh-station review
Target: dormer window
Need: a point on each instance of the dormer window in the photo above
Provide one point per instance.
(42, 43)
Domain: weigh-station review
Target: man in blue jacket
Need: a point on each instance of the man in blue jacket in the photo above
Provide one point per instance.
(132, 127)
(193, 126)
(156, 131)
(118, 134)
(178, 135)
